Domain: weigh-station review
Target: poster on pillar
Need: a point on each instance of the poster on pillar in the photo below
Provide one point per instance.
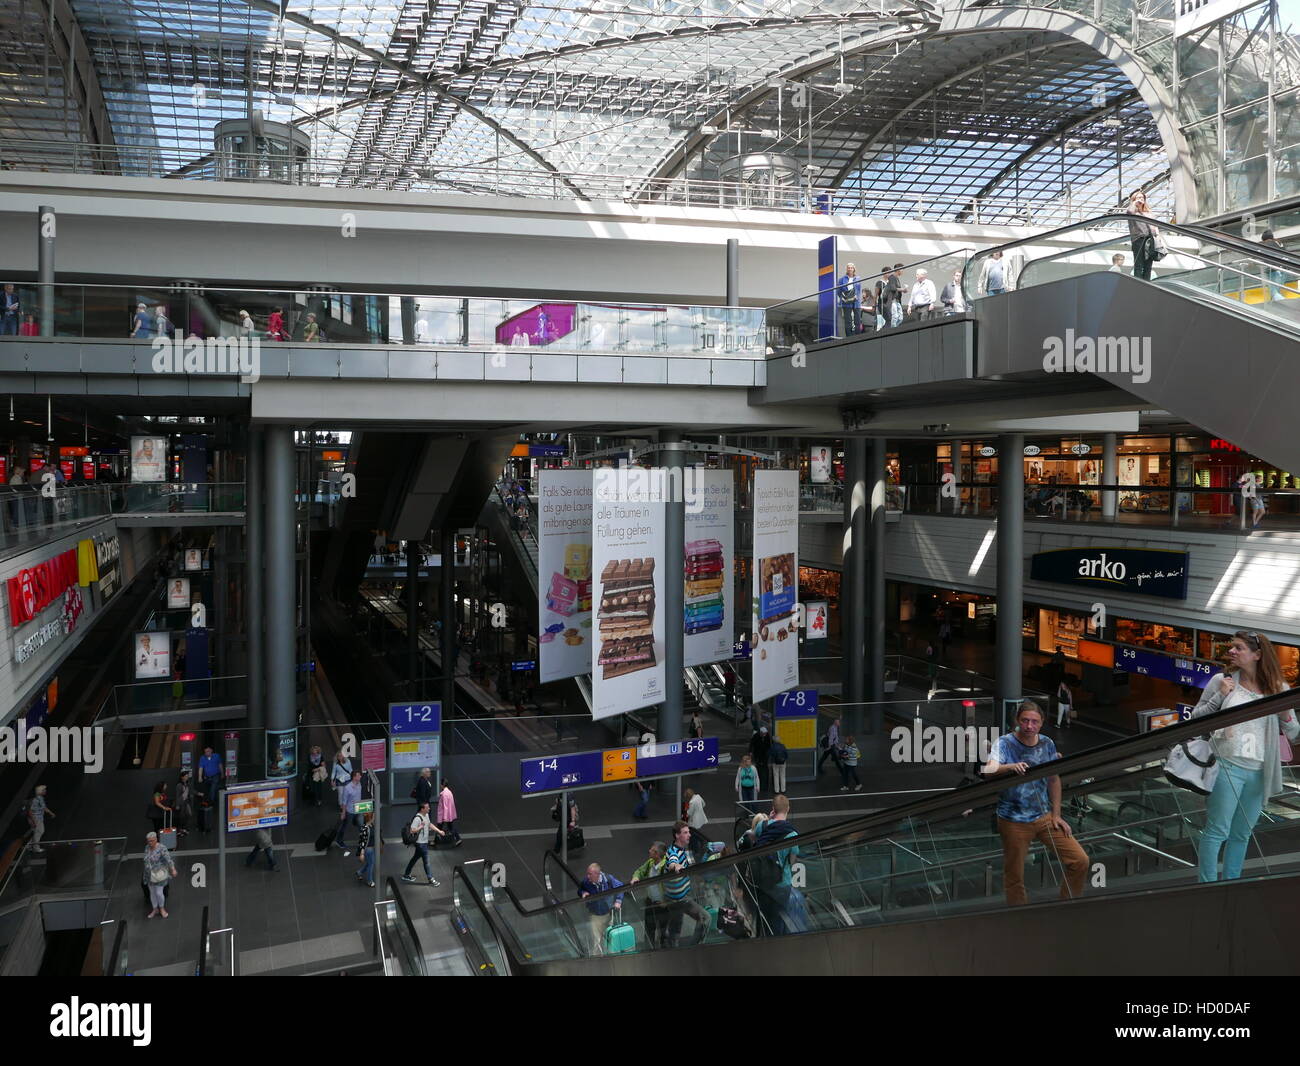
(148, 459)
(710, 536)
(564, 573)
(178, 593)
(627, 562)
(776, 582)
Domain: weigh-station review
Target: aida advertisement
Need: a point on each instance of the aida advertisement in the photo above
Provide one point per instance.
(775, 637)
(710, 533)
(153, 654)
(564, 573)
(627, 549)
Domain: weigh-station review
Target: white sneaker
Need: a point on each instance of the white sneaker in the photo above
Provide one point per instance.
(844, 788)
(435, 884)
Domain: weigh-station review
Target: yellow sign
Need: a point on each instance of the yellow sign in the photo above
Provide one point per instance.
(797, 733)
(619, 764)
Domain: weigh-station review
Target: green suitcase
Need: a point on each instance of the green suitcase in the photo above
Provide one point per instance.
(620, 939)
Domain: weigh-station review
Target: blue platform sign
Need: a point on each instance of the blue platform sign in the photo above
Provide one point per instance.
(797, 703)
(826, 281)
(586, 769)
(416, 717)
(523, 664)
(1146, 663)
(740, 649)
(1194, 672)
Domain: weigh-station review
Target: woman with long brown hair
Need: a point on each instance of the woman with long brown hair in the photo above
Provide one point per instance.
(1249, 753)
(1142, 235)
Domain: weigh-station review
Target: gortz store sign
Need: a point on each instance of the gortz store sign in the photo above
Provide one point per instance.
(34, 589)
(1143, 571)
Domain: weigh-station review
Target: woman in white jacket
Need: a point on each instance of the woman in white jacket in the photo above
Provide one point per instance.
(1249, 754)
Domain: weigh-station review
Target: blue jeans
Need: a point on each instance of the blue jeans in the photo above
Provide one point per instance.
(896, 313)
(852, 319)
(748, 795)
(9, 325)
(1231, 812)
(641, 805)
(420, 854)
(367, 871)
(270, 856)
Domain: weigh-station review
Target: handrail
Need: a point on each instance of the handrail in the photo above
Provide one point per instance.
(116, 953)
(406, 918)
(1081, 764)
(862, 279)
(203, 944)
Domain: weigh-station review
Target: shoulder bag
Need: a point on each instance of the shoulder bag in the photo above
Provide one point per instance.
(1193, 765)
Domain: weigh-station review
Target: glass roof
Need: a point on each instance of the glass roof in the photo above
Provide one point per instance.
(580, 96)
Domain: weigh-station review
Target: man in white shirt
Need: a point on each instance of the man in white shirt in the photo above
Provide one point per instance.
(421, 826)
(921, 302)
(695, 816)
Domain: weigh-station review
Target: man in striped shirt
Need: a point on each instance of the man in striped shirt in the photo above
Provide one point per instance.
(677, 891)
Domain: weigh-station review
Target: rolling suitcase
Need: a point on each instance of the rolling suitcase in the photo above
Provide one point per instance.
(620, 939)
(168, 837)
(325, 839)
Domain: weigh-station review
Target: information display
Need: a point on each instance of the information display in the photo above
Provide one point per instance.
(261, 806)
(797, 734)
(585, 769)
(415, 753)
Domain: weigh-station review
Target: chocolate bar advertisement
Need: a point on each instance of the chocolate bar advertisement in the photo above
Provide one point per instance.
(627, 559)
(710, 533)
(564, 574)
(775, 636)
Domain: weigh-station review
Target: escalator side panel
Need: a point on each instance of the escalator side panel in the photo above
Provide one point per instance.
(1224, 373)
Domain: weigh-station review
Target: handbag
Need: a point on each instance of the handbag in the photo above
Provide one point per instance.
(158, 875)
(1284, 748)
(1159, 249)
(1193, 765)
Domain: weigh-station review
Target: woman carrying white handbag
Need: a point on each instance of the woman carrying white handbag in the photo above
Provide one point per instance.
(1249, 754)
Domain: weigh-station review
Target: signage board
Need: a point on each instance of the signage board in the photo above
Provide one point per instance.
(263, 805)
(415, 752)
(585, 769)
(797, 734)
(797, 703)
(1137, 571)
(1191, 15)
(518, 665)
(409, 717)
(372, 755)
(365, 806)
(815, 614)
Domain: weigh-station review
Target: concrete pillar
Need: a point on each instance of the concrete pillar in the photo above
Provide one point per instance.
(1109, 476)
(280, 586)
(408, 319)
(254, 603)
(853, 581)
(1010, 576)
(875, 636)
(674, 605)
(45, 231)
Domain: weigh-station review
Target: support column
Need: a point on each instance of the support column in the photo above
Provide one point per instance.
(875, 636)
(447, 612)
(413, 619)
(45, 231)
(853, 586)
(254, 537)
(1010, 576)
(733, 272)
(1109, 476)
(674, 605)
(281, 580)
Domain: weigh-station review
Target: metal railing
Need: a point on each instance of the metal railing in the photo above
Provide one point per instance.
(43, 156)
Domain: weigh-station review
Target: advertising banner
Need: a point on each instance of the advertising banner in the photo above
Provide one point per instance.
(178, 592)
(193, 559)
(281, 752)
(709, 594)
(153, 655)
(819, 464)
(564, 573)
(1140, 571)
(776, 582)
(148, 459)
(260, 808)
(815, 614)
(627, 559)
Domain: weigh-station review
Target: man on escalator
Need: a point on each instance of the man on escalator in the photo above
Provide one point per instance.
(1032, 811)
(780, 901)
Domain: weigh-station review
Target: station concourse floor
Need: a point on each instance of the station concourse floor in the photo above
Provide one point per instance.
(313, 917)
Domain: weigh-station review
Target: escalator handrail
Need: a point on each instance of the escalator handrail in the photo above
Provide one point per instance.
(1263, 253)
(981, 793)
(1244, 245)
(396, 896)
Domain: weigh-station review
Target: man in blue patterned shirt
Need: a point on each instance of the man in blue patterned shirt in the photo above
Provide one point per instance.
(1032, 811)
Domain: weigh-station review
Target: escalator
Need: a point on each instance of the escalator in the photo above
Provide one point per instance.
(919, 888)
(1210, 337)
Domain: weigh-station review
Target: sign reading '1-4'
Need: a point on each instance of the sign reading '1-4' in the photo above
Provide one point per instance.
(583, 769)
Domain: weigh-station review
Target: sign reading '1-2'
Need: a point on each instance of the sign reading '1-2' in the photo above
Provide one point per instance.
(415, 717)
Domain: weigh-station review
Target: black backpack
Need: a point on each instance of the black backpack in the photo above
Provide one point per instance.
(409, 837)
(767, 870)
